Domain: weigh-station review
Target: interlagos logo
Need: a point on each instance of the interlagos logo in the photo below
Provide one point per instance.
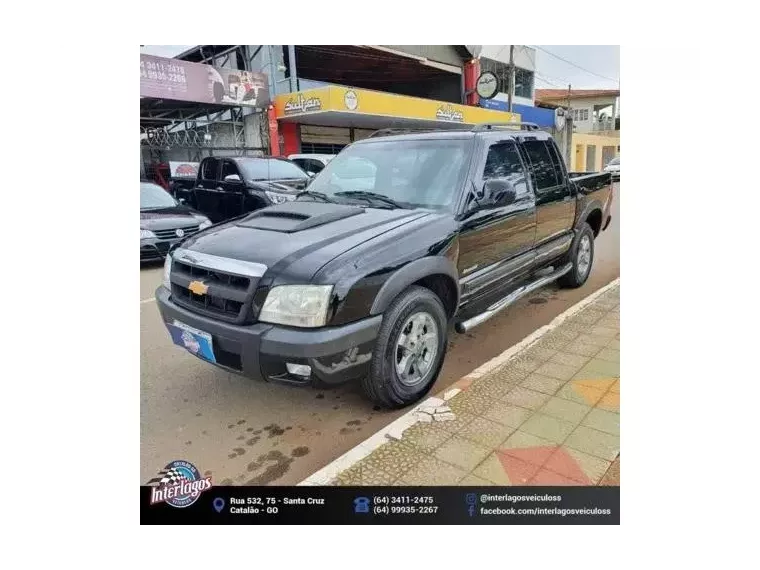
(179, 484)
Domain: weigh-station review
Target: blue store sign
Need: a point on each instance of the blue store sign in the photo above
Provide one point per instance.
(542, 117)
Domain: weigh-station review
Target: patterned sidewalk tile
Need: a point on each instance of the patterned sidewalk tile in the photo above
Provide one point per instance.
(612, 476)
(548, 427)
(565, 410)
(543, 384)
(461, 452)
(432, 471)
(547, 416)
(594, 442)
(577, 465)
(486, 432)
(602, 420)
(507, 414)
(528, 447)
(581, 393)
(526, 398)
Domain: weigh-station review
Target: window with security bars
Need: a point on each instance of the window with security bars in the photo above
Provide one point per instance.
(321, 148)
(524, 78)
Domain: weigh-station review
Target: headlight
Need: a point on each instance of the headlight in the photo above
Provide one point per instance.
(146, 234)
(297, 305)
(167, 271)
(278, 198)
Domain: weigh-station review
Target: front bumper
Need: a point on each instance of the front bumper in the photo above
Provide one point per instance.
(260, 350)
(154, 249)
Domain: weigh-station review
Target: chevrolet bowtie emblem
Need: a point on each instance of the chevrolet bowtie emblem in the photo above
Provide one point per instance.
(198, 287)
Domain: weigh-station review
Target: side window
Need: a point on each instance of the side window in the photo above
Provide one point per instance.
(503, 161)
(557, 160)
(210, 169)
(543, 170)
(313, 165)
(229, 167)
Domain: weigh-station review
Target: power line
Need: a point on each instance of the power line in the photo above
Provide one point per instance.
(576, 65)
(552, 80)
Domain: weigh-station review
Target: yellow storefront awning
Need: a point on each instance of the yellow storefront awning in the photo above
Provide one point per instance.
(349, 107)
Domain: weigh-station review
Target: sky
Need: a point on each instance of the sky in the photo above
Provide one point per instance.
(551, 71)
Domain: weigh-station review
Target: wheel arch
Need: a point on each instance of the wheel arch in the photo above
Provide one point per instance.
(435, 273)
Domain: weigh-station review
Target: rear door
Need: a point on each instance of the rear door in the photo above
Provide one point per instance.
(208, 192)
(555, 204)
(497, 236)
(231, 199)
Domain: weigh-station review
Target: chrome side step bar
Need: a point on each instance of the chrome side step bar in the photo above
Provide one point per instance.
(500, 305)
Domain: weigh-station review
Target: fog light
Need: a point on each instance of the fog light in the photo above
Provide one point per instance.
(298, 369)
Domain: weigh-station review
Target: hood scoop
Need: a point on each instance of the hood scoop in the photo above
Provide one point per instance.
(297, 216)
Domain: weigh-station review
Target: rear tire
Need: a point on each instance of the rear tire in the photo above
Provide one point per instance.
(581, 255)
(409, 349)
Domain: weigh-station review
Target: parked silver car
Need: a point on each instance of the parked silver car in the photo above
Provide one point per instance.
(613, 166)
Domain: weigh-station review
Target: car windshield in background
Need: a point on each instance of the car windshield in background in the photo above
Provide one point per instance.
(418, 173)
(270, 169)
(152, 196)
(614, 162)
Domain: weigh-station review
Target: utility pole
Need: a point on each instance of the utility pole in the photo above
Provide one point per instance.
(511, 83)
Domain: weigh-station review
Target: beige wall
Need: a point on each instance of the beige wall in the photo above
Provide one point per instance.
(581, 144)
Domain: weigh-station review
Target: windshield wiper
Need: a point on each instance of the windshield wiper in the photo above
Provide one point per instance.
(314, 194)
(371, 196)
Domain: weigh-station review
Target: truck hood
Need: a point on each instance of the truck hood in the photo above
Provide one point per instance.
(295, 239)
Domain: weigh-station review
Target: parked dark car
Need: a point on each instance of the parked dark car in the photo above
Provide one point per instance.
(449, 227)
(229, 187)
(164, 222)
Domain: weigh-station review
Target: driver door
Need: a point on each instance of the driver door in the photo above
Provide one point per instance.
(233, 190)
(208, 191)
(497, 230)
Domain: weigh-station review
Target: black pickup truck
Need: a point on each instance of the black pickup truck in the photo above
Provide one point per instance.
(399, 237)
(228, 187)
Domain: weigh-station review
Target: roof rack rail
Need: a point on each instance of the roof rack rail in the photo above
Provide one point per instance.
(401, 131)
(492, 126)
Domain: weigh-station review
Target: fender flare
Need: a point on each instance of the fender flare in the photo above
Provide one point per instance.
(411, 273)
(590, 207)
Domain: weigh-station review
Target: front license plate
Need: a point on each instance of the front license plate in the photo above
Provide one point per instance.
(193, 340)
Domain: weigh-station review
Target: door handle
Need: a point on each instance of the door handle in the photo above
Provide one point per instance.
(220, 189)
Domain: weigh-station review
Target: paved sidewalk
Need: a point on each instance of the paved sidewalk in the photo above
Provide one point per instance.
(547, 415)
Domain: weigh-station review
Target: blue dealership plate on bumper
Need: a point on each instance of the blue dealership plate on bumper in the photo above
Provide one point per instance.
(195, 341)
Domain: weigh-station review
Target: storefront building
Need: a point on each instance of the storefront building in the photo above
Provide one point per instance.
(326, 119)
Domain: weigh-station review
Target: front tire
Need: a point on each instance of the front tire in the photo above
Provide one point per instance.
(582, 257)
(409, 349)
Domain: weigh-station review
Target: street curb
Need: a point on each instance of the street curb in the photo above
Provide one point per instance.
(396, 428)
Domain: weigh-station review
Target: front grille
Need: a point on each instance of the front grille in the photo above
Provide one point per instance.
(209, 303)
(227, 296)
(172, 233)
(210, 276)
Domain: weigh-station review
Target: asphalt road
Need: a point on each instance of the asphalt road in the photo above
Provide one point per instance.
(241, 431)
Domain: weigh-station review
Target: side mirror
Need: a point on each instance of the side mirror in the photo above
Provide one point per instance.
(498, 192)
(182, 201)
(311, 174)
(232, 178)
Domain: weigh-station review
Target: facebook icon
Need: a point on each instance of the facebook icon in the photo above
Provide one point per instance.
(471, 499)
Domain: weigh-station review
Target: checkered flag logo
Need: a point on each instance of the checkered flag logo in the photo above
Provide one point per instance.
(167, 476)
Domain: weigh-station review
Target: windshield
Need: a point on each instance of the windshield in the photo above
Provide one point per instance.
(418, 173)
(270, 169)
(614, 162)
(153, 196)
